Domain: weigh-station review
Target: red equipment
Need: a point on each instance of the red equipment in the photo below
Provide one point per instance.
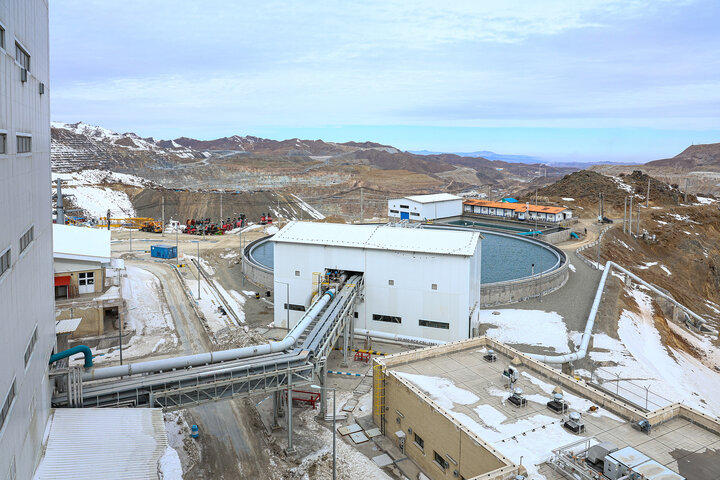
(362, 357)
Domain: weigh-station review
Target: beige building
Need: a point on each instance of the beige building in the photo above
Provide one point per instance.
(448, 408)
(82, 288)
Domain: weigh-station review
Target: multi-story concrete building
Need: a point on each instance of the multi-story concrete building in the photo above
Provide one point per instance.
(27, 317)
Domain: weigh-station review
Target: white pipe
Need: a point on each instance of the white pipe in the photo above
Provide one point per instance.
(168, 364)
(398, 337)
(582, 351)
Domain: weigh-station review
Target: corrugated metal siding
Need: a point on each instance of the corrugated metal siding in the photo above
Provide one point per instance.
(107, 443)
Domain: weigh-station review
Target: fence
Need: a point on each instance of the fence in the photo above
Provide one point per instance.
(587, 261)
(634, 392)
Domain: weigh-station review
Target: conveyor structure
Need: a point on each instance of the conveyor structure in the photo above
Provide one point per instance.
(195, 379)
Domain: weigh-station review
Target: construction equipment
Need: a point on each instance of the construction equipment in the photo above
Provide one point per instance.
(151, 226)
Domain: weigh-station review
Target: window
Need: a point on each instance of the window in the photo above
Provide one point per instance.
(3, 143)
(2, 37)
(386, 318)
(9, 398)
(432, 324)
(22, 57)
(31, 346)
(5, 261)
(24, 144)
(297, 273)
(414, 214)
(295, 308)
(405, 206)
(394, 211)
(419, 442)
(26, 238)
(440, 461)
(434, 286)
(391, 282)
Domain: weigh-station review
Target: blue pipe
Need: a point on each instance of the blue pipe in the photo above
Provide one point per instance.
(538, 232)
(84, 349)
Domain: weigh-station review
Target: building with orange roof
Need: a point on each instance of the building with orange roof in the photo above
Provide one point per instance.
(516, 211)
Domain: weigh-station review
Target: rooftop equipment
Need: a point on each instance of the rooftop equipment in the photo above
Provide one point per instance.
(644, 426)
(574, 423)
(517, 398)
(597, 453)
(557, 404)
(490, 356)
(511, 374)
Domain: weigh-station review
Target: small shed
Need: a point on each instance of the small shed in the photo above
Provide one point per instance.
(163, 251)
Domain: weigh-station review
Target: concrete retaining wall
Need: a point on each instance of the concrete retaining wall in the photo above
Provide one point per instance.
(257, 274)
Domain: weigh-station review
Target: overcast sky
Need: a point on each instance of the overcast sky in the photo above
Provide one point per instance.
(562, 79)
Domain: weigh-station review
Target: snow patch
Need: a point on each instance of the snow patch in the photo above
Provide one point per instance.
(527, 327)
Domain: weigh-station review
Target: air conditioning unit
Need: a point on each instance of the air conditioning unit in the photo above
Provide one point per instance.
(23, 75)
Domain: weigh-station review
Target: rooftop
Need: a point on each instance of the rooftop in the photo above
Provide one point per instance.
(380, 237)
(435, 197)
(473, 391)
(81, 243)
(518, 207)
(109, 443)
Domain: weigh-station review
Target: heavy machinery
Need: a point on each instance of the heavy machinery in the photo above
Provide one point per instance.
(151, 226)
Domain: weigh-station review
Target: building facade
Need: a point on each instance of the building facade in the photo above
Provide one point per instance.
(418, 282)
(517, 211)
(422, 208)
(27, 315)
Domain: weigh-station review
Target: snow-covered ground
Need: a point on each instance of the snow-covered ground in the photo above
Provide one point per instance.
(515, 326)
(88, 192)
(640, 359)
(147, 315)
(310, 210)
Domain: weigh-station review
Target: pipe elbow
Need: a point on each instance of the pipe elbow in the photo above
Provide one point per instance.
(84, 349)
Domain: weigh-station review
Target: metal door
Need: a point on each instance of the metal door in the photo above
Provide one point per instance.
(404, 215)
(86, 282)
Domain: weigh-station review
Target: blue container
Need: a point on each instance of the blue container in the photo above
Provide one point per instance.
(194, 431)
(163, 251)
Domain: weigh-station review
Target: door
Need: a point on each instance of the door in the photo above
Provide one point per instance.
(404, 215)
(86, 282)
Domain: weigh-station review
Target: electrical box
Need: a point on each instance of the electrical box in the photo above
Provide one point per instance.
(163, 251)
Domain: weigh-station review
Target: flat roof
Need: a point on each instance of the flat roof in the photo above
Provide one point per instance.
(111, 443)
(67, 326)
(380, 237)
(435, 197)
(472, 391)
(518, 207)
(81, 243)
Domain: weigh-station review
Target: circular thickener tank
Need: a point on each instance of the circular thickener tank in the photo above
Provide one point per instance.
(504, 257)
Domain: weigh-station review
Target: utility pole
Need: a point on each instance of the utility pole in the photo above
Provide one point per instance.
(686, 187)
(647, 198)
(221, 215)
(630, 217)
(536, 189)
(108, 219)
(638, 221)
(362, 206)
(625, 216)
(163, 215)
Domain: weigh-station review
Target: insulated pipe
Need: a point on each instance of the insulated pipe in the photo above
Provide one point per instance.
(84, 349)
(398, 337)
(582, 351)
(168, 364)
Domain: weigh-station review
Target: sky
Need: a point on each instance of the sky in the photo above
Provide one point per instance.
(591, 80)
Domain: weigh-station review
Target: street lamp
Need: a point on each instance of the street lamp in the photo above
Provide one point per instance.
(198, 265)
(318, 387)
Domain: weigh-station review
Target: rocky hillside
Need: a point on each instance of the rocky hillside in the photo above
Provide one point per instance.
(308, 167)
(692, 158)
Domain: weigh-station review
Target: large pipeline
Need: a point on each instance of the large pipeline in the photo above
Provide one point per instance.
(397, 337)
(582, 351)
(168, 364)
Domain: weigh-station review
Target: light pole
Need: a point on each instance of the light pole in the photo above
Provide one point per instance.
(318, 387)
(177, 246)
(198, 265)
(287, 305)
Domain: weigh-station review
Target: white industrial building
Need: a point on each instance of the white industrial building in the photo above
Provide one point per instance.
(418, 282)
(425, 207)
(27, 311)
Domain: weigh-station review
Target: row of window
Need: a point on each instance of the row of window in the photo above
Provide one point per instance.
(21, 55)
(6, 256)
(440, 461)
(24, 143)
(422, 323)
(7, 403)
